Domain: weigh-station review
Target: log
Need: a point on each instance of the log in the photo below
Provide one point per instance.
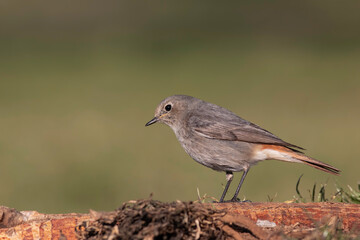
(303, 214)
(34, 225)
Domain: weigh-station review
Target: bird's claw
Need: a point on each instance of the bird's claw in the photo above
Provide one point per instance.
(233, 200)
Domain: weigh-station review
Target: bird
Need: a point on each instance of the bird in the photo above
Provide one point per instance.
(219, 139)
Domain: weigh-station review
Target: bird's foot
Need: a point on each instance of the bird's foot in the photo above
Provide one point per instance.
(233, 200)
(237, 200)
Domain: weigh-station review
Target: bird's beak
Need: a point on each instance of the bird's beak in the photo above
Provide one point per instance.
(152, 121)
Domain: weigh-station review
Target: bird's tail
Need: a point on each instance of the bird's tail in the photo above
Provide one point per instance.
(289, 155)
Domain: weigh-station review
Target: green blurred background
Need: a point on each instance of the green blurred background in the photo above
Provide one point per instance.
(78, 81)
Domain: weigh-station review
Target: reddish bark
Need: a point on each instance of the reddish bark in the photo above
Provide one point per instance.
(34, 225)
(305, 214)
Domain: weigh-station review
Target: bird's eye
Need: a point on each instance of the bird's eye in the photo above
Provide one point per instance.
(168, 107)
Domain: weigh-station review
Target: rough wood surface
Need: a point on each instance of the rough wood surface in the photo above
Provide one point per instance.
(34, 225)
(305, 214)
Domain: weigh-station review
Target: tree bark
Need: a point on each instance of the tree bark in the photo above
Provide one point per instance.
(34, 225)
(305, 214)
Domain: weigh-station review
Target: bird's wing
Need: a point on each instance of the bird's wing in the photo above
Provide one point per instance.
(232, 128)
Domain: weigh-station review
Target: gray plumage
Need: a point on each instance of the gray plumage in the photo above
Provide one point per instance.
(217, 138)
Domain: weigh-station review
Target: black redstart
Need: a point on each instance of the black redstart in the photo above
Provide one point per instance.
(221, 140)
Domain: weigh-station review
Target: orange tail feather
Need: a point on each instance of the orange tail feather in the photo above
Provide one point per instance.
(289, 155)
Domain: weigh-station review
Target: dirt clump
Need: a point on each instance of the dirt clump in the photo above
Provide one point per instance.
(151, 219)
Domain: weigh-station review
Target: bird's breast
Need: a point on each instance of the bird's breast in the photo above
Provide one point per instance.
(217, 154)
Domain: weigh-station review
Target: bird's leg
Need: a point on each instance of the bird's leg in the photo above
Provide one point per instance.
(229, 178)
(234, 199)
